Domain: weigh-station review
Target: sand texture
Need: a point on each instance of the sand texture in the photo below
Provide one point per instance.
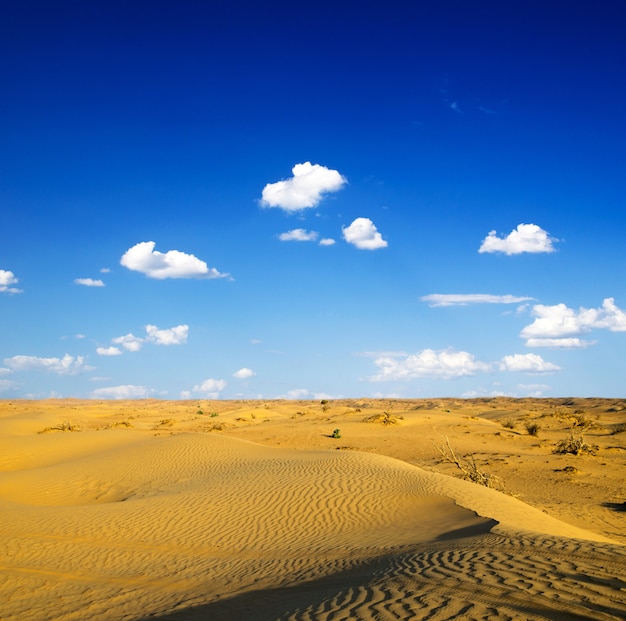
(253, 510)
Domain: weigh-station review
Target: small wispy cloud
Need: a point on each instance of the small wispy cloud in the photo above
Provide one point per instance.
(244, 373)
(89, 282)
(300, 235)
(109, 351)
(168, 336)
(363, 234)
(127, 391)
(307, 187)
(68, 365)
(327, 241)
(142, 257)
(525, 238)
(463, 299)
(7, 279)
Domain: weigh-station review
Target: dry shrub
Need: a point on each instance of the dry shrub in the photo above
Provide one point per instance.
(532, 429)
(383, 419)
(468, 467)
(575, 445)
(64, 426)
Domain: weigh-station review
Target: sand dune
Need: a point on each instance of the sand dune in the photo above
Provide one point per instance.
(170, 518)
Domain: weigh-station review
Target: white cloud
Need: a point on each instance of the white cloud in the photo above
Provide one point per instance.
(127, 391)
(171, 336)
(304, 189)
(143, 258)
(109, 351)
(564, 343)
(363, 234)
(7, 279)
(327, 241)
(68, 365)
(525, 238)
(528, 363)
(4, 371)
(298, 235)
(461, 299)
(534, 390)
(7, 385)
(445, 364)
(129, 342)
(210, 388)
(244, 373)
(89, 282)
(104, 270)
(561, 322)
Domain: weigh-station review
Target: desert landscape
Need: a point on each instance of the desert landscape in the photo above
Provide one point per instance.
(437, 509)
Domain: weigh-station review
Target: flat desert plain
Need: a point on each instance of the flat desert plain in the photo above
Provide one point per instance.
(346, 509)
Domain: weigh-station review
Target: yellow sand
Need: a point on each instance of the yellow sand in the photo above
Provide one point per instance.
(252, 510)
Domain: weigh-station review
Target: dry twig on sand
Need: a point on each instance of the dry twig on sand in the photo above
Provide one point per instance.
(468, 467)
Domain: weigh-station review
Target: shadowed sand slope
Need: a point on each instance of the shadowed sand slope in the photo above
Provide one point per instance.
(119, 524)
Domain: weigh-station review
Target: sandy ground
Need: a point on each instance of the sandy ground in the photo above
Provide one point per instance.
(186, 510)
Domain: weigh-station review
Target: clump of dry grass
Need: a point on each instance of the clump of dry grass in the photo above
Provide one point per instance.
(64, 426)
(509, 423)
(532, 428)
(575, 445)
(384, 419)
(468, 467)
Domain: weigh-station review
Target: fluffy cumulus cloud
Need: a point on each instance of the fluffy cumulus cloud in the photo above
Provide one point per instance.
(7, 279)
(127, 391)
(528, 363)
(463, 299)
(210, 388)
(109, 351)
(142, 257)
(560, 326)
(88, 282)
(305, 189)
(363, 234)
(525, 238)
(168, 336)
(68, 365)
(298, 235)
(446, 364)
(244, 373)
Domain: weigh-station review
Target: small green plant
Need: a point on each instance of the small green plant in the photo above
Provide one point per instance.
(336, 434)
(214, 414)
(532, 429)
(200, 413)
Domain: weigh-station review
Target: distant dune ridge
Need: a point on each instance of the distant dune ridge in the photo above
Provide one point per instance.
(253, 510)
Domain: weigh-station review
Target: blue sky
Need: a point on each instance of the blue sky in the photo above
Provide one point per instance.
(284, 200)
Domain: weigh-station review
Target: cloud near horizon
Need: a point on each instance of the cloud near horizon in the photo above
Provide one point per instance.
(127, 391)
(142, 257)
(528, 363)
(7, 278)
(461, 299)
(446, 364)
(304, 190)
(68, 365)
(210, 389)
(559, 325)
(363, 234)
(525, 238)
